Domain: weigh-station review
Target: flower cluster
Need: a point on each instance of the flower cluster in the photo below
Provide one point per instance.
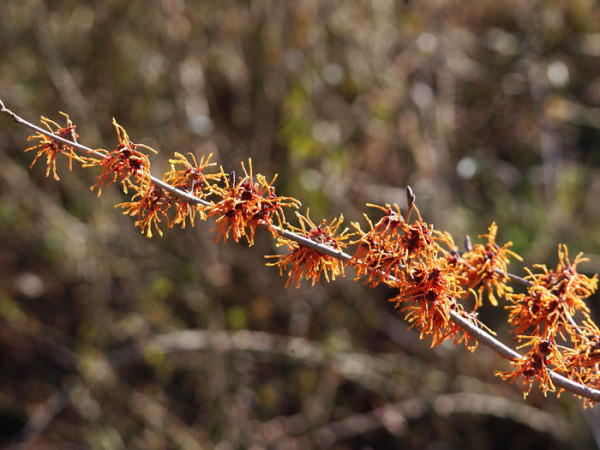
(431, 278)
(148, 204)
(51, 147)
(410, 258)
(380, 254)
(308, 263)
(547, 311)
(247, 204)
(534, 365)
(189, 177)
(582, 360)
(486, 267)
(121, 164)
(430, 291)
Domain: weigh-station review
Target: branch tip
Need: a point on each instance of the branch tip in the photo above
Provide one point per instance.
(410, 200)
(468, 244)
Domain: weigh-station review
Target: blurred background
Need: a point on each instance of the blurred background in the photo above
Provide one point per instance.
(488, 109)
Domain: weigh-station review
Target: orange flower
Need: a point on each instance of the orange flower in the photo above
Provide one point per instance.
(553, 298)
(378, 254)
(430, 290)
(152, 203)
(487, 266)
(246, 205)
(566, 283)
(534, 366)
(392, 244)
(391, 222)
(539, 309)
(52, 148)
(190, 179)
(121, 164)
(583, 360)
(306, 262)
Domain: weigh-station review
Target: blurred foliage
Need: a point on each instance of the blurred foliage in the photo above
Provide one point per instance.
(488, 109)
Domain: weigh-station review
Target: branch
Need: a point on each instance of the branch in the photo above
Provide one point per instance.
(471, 328)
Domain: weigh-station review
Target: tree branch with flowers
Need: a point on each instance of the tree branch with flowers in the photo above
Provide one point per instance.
(432, 278)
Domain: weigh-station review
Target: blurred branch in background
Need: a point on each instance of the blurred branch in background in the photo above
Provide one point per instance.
(376, 373)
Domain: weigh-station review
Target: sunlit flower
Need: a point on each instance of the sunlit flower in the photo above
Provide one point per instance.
(121, 164)
(390, 245)
(390, 223)
(189, 177)
(148, 204)
(583, 360)
(304, 262)
(586, 351)
(568, 285)
(486, 266)
(535, 365)
(51, 147)
(552, 299)
(247, 204)
(428, 293)
(538, 309)
(377, 255)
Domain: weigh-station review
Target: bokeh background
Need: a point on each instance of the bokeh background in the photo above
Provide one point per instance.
(490, 110)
